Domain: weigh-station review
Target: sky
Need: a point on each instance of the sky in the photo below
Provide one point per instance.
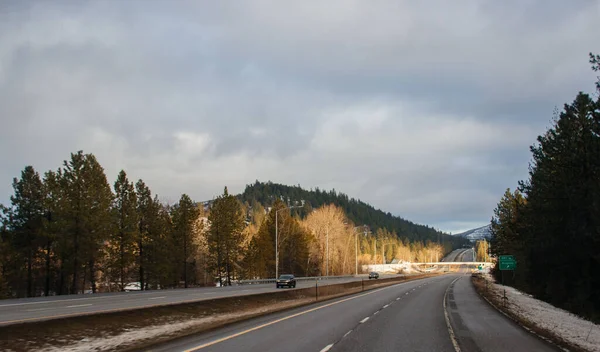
(425, 109)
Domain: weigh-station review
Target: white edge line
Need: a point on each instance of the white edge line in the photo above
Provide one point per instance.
(158, 297)
(364, 320)
(75, 299)
(447, 317)
(327, 348)
(40, 309)
(196, 348)
(80, 305)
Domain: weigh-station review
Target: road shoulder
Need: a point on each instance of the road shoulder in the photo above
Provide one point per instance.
(480, 327)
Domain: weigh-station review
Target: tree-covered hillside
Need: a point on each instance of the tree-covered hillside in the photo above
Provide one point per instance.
(356, 210)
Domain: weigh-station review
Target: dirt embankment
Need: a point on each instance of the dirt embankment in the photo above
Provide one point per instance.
(127, 330)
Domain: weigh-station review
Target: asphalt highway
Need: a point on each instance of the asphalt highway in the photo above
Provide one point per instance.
(409, 316)
(442, 313)
(45, 308)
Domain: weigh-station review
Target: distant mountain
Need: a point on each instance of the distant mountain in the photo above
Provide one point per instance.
(477, 234)
(357, 211)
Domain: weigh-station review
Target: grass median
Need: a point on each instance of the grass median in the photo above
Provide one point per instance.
(138, 328)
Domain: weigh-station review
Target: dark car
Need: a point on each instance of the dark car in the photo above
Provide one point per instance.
(373, 275)
(286, 280)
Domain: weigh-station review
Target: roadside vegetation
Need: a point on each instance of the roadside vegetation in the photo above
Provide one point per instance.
(551, 222)
(69, 231)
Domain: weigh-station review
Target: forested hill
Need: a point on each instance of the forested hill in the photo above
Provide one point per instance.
(357, 211)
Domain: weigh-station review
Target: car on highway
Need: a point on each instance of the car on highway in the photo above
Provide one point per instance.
(373, 275)
(132, 286)
(285, 280)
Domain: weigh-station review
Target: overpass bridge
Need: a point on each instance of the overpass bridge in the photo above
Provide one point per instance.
(484, 264)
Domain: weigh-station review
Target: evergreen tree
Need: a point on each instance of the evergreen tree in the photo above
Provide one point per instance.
(595, 61)
(5, 291)
(26, 220)
(507, 233)
(88, 218)
(185, 216)
(563, 194)
(52, 226)
(147, 215)
(123, 240)
(225, 236)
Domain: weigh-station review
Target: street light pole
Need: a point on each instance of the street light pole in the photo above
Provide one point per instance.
(356, 249)
(276, 246)
(356, 254)
(327, 250)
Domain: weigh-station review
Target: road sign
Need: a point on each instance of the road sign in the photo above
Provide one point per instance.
(507, 262)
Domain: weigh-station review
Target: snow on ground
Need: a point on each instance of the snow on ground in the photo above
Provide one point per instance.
(137, 335)
(128, 337)
(570, 327)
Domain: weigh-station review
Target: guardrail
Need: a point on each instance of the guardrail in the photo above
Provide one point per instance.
(310, 278)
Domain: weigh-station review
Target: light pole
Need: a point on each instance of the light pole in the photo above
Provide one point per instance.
(277, 238)
(356, 248)
(327, 250)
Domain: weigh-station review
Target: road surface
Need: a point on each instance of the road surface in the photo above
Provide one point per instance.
(405, 317)
(44, 308)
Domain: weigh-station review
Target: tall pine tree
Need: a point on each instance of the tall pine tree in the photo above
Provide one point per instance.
(27, 212)
(225, 236)
(185, 216)
(123, 240)
(88, 218)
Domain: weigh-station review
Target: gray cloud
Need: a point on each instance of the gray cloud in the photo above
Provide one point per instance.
(424, 110)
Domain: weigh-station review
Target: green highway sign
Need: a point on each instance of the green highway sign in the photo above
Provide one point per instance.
(507, 262)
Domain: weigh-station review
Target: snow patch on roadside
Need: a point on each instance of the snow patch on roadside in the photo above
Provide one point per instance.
(558, 321)
(137, 335)
(111, 343)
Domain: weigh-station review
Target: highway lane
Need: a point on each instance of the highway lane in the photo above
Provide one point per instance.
(405, 317)
(314, 327)
(43, 308)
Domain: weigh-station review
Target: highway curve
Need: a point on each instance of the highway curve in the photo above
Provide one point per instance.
(408, 316)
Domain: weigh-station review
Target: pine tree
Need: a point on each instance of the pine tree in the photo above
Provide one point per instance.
(52, 226)
(88, 218)
(27, 212)
(595, 61)
(225, 236)
(5, 291)
(123, 240)
(185, 216)
(147, 215)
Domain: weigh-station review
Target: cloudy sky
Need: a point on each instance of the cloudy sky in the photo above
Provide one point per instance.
(425, 109)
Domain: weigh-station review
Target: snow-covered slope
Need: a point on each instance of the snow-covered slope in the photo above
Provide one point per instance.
(477, 234)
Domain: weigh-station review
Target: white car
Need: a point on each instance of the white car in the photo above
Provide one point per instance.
(133, 286)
